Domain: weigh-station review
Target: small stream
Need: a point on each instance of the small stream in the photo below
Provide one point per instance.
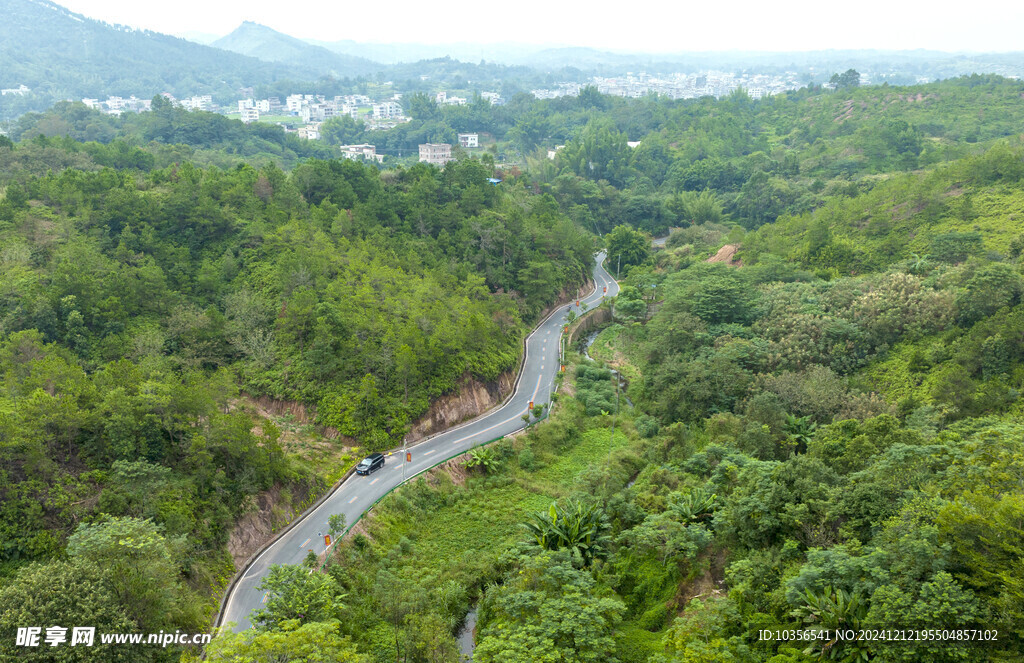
(465, 636)
(588, 341)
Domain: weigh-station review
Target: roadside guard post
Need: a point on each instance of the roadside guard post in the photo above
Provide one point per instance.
(408, 456)
(327, 540)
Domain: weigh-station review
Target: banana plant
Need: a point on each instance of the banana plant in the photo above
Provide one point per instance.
(579, 528)
(695, 505)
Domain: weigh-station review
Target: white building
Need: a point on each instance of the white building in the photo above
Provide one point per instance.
(436, 153)
(494, 98)
(387, 110)
(356, 152)
(294, 103)
(250, 115)
(469, 140)
(202, 102)
(317, 112)
(20, 90)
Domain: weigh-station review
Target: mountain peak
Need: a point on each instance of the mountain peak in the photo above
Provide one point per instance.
(265, 43)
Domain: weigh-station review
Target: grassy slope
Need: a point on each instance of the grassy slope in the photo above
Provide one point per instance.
(480, 519)
(900, 216)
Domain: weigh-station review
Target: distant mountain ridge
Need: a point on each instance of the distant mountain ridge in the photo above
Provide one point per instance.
(269, 45)
(59, 54)
(504, 52)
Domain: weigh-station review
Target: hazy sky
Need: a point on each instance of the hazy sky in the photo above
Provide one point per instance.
(638, 25)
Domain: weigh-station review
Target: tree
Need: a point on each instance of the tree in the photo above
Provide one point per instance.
(296, 594)
(529, 131)
(140, 569)
(847, 80)
(342, 130)
(68, 594)
(940, 603)
(547, 611)
(720, 295)
(421, 106)
(336, 524)
(591, 98)
(631, 309)
(397, 597)
(430, 640)
(984, 530)
(697, 208)
(598, 153)
(629, 246)
(317, 642)
(991, 288)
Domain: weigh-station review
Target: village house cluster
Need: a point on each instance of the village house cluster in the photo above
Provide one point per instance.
(118, 105)
(303, 114)
(681, 86)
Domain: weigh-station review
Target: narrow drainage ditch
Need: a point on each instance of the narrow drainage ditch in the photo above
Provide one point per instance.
(466, 635)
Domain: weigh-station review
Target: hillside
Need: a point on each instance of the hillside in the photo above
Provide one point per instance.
(821, 433)
(261, 42)
(96, 59)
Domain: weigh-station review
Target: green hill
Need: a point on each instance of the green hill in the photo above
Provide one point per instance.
(96, 59)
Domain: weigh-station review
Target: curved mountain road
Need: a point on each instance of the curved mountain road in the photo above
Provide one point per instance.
(358, 493)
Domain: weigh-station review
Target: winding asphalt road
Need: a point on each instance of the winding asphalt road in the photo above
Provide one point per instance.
(358, 493)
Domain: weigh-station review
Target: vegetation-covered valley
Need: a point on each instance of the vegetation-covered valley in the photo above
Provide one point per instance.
(821, 433)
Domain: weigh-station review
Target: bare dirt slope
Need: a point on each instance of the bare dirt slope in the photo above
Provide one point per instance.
(726, 254)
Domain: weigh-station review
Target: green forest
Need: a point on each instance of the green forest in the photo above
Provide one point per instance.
(804, 416)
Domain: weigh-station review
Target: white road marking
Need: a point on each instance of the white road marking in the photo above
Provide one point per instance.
(375, 481)
(429, 452)
(265, 597)
(501, 423)
(303, 544)
(353, 499)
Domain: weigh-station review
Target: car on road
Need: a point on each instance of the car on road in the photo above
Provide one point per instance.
(370, 464)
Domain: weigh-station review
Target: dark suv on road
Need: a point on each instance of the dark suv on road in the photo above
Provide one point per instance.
(370, 464)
